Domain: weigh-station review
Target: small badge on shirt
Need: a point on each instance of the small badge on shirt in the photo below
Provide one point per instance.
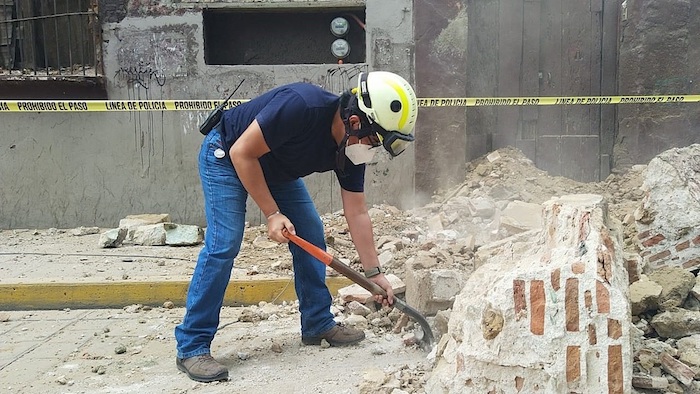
(219, 153)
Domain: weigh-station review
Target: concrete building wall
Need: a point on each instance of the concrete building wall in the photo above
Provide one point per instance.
(72, 169)
(659, 53)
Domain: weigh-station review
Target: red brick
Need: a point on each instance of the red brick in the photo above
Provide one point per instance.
(696, 240)
(578, 268)
(615, 371)
(592, 335)
(537, 307)
(653, 240)
(573, 363)
(520, 305)
(683, 246)
(614, 329)
(602, 297)
(632, 266)
(556, 278)
(571, 304)
(691, 263)
(644, 234)
(659, 256)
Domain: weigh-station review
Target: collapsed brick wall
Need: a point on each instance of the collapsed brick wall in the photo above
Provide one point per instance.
(667, 221)
(549, 315)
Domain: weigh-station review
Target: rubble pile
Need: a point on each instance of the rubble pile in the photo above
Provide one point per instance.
(462, 225)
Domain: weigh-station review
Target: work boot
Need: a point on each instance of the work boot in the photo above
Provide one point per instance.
(336, 336)
(202, 368)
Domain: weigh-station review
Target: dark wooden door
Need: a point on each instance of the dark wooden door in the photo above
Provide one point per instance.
(546, 48)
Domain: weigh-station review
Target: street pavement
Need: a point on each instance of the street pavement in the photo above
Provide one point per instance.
(74, 323)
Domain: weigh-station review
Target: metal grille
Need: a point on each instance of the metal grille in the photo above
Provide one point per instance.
(49, 38)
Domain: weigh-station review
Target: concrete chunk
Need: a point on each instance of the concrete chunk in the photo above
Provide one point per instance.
(520, 216)
(143, 219)
(112, 238)
(649, 382)
(431, 291)
(184, 235)
(680, 371)
(149, 235)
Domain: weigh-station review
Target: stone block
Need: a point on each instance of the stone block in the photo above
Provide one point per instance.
(184, 235)
(149, 235)
(431, 291)
(521, 216)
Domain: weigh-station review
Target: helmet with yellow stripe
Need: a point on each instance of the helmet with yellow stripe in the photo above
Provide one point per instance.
(391, 106)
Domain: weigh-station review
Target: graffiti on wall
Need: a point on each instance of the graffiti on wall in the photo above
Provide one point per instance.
(151, 60)
(142, 74)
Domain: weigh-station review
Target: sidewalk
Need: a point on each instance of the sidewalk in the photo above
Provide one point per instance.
(52, 269)
(122, 351)
(74, 319)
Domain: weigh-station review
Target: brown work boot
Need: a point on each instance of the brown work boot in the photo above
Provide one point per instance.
(202, 368)
(336, 336)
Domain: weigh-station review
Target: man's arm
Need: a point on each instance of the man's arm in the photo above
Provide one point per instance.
(360, 225)
(245, 154)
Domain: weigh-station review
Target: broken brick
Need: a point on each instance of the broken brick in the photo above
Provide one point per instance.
(602, 297)
(571, 305)
(656, 239)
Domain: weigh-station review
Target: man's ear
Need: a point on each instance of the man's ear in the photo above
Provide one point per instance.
(354, 122)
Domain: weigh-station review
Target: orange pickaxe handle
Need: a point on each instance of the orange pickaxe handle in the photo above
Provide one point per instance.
(326, 258)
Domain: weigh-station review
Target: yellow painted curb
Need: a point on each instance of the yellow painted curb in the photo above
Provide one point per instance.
(119, 294)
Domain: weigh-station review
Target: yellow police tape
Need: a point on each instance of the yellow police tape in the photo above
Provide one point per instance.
(207, 105)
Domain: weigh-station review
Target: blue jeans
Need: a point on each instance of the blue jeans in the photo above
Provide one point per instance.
(225, 208)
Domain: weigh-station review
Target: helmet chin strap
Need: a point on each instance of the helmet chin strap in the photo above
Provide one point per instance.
(348, 108)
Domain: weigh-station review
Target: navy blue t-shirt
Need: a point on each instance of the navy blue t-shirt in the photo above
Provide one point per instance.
(296, 123)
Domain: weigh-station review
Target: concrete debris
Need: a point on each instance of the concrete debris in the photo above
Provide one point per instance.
(183, 235)
(431, 290)
(356, 308)
(519, 216)
(143, 219)
(675, 284)
(148, 235)
(550, 306)
(649, 382)
(677, 369)
(112, 238)
(408, 379)
(81, 231)
(151, 230)
(667, 219)
(644, 295)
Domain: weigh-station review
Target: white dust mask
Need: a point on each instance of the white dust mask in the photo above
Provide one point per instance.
(360, 153)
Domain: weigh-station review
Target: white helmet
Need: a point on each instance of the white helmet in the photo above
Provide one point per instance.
(389, 101)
